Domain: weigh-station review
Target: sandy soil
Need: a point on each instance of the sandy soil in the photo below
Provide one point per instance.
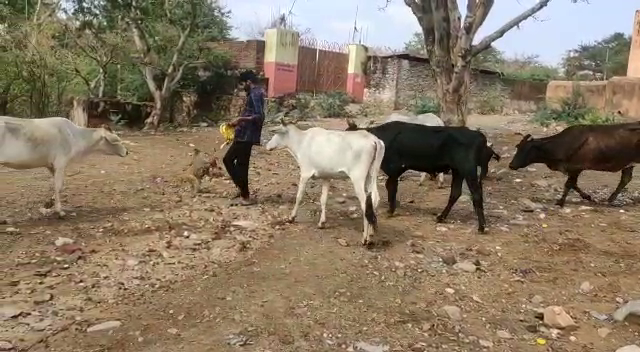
(179, 273)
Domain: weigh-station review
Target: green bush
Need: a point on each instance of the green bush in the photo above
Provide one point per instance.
(333, 104)
(572, 110)
(424, 105)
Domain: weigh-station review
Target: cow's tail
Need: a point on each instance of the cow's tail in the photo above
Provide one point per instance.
(371, 185)
(495, 155)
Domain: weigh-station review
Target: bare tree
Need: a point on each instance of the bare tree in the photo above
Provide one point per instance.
(174, 70)
(449, 45)
(99, 48)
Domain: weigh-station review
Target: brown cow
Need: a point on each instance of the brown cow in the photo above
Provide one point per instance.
(610, 148)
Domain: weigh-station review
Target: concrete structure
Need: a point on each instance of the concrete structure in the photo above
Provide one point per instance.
(633, 68)
(281, 60)
(356, 79)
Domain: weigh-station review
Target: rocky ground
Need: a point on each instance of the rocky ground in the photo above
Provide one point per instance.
(141, 265)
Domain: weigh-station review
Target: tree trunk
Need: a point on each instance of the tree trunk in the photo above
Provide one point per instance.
(158, 110)
(452, 90)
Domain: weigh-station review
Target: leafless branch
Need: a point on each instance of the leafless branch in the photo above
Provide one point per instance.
(488, 40)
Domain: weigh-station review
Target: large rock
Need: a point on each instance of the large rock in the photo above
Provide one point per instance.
(556, 317)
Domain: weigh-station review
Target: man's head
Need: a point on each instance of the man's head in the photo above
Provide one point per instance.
(248, 79)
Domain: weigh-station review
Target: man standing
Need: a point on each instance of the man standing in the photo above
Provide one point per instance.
(248, 129)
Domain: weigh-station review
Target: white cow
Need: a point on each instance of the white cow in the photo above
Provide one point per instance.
(52, 143)
(330, 154)
(427, 119)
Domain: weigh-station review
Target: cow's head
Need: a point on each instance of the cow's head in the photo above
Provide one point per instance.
(281, 134)
(351, 126)
(526, 152)
(110, 143)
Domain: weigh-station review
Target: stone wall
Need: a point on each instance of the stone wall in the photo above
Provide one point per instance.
(617, 94)
(247, 54)
(396, 83)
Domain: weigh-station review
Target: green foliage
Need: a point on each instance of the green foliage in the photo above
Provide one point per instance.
(373, 108)
(87, 48)
(572, 110)
(332, 104)
(424, 105)
(604, 58)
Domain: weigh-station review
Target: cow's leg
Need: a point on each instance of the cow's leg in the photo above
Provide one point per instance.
(456, 191)
(441, 180)
(572, 183)
(58, 182)
(323, 204)
(422, 178)
(392, 190)
(475, 187)
(48, 204)
(304, 178)
(625, 178)
(359, 187)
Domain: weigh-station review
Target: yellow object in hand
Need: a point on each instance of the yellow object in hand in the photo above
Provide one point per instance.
(227, 132)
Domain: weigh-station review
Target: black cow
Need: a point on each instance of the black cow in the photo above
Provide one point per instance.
(577, 148)
(487, 154)
(432, 149)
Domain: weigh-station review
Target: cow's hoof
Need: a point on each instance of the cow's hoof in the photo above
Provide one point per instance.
(61, 214)
(560, 203)
(321, 225)
(439, 219)
(290, 220)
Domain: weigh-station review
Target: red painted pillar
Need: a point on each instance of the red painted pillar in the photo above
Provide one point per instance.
(356, 79)
(281, 61)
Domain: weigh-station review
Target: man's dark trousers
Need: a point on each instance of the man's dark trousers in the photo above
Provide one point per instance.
(236, 161)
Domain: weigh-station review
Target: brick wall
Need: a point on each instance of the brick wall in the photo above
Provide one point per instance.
(245, 54)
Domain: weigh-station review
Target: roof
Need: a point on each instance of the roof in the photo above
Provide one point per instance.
(420, 57)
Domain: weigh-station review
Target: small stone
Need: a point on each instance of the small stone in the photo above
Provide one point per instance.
(529, 206)
(586, 287)
(41, 325)
(485, 343)
(61, 241)
(108, 325)
(603, 332)
(556, 317)
(448, 258)
(69, 248)
(631, 307)
(537, 299)
(6, 346)
(43, 298)
(453, 312)
(629, 348)
(12, 230)
(449, 290)
(540, 183)
(466, 266)
(249, 225)
(341, 200)
(504, 334)
(343, 242)
(8, 312)
(172, 331)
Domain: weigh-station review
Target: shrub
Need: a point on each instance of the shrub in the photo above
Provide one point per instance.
(373, 108)
(572, 110)
(424, 105)
(333, 104)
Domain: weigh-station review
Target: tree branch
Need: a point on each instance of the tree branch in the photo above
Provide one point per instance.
(488, 40)
(173, 75)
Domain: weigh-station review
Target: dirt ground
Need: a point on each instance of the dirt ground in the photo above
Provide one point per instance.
(177, 273)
